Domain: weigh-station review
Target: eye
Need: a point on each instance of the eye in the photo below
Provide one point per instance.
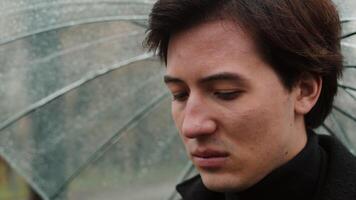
(227, 95)
(180, 96)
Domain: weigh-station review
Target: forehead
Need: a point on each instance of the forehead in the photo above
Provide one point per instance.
(212, 47)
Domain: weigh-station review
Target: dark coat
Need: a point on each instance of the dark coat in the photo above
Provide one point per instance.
(339, 180)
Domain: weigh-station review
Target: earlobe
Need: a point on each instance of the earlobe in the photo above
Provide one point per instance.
(307, 93)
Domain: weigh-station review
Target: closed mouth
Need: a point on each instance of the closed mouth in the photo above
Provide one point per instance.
(209, 159)
(209, 153)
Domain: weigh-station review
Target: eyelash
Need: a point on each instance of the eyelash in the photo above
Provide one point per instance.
(227, 95)
(180, 96)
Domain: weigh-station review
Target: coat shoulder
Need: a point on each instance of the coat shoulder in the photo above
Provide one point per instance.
(340, 179)
(194, 189)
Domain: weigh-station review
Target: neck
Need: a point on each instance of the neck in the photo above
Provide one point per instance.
(297, 139)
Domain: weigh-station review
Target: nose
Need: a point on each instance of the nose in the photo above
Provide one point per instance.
(197, 121)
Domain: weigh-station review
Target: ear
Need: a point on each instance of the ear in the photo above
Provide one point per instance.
(307, 93)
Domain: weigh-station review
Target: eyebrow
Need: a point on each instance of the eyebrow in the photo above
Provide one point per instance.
(223, 76)
(170, 79)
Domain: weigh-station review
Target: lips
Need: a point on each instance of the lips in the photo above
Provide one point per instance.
(209, 158)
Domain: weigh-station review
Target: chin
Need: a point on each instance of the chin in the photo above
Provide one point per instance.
(223, 183)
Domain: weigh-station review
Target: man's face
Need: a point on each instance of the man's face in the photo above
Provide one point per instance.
(233, 114)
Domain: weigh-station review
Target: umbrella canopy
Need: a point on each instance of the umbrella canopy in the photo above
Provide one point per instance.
(342, 121)
(85, 114)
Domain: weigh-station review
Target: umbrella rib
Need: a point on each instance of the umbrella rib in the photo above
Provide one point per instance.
(348, 35)
(140, 24)
(75, 23)
(71, 87)
(350, 94)
(350, 66)
(187, 170)
(332, 133)
(113, 140)
(56, 4)
(347, 19)
(347, 87)
(28, 180)
(344, 113)
(83, 46)
(343, 133)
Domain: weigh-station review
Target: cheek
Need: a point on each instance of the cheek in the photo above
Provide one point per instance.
(253, 129)
(258, 128)
(247, 126)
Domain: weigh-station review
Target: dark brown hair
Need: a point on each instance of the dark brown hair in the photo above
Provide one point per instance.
(296, 37)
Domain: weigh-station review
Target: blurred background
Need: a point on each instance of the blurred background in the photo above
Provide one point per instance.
(84, 111)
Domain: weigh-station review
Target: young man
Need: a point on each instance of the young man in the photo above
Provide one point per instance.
(250, 79)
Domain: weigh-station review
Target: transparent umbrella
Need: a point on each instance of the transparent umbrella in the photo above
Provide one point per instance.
(342, 121)
(85, 114)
